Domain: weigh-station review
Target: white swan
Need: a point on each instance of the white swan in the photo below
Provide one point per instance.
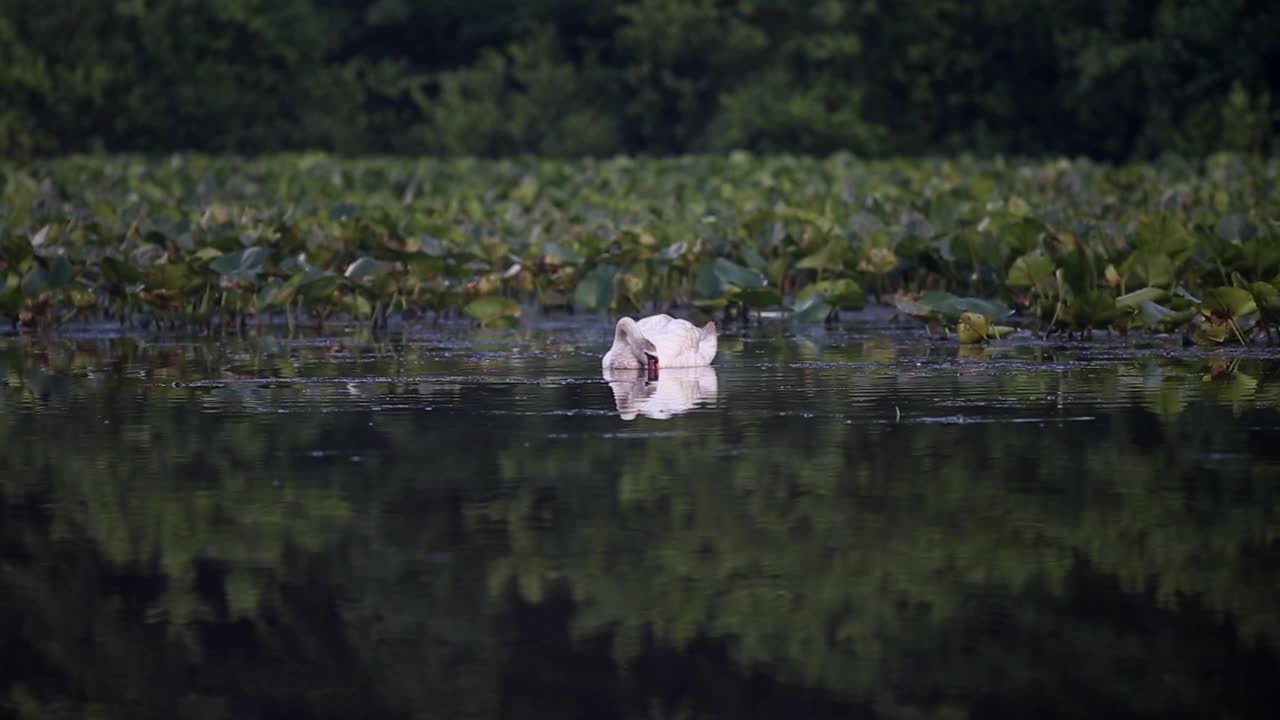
(660, 341)
(675, 391)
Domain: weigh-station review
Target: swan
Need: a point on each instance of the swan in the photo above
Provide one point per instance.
(676, 391)
(660, 341)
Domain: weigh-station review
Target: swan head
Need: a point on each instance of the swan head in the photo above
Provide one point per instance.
(631, 349)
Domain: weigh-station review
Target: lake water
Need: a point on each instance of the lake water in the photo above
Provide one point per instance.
(458, 523)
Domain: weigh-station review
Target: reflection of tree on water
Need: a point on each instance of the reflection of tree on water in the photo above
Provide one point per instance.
(664, 394)
(151, 566)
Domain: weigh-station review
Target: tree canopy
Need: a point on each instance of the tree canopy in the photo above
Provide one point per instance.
(1110, 79)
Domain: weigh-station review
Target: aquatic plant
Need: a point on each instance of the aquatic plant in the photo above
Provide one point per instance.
(1061, 246)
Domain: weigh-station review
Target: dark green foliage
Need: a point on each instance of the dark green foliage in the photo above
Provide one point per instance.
(1105, 79)
(199, 241)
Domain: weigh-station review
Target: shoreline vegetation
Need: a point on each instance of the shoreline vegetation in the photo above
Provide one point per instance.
(975, 247)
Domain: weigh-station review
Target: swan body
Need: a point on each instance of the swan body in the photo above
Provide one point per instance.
(660, 341)
(675, 391)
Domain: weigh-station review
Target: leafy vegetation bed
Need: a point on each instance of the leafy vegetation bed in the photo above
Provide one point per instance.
(980, 247)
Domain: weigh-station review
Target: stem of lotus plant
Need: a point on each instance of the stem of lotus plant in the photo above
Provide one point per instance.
(1057, 309)
(1236, 328)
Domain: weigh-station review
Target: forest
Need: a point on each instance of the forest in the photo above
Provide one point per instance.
(1115, 80)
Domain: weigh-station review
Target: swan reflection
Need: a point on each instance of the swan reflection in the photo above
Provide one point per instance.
(661, 395)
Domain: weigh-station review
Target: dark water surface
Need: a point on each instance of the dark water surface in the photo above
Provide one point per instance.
(473, 524)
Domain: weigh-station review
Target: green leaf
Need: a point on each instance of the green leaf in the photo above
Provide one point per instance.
(596, 289)
(829, 257)
(753, 259)
(560, 254)
(759, 297)
(35, 281)
(810, 309)
(1023, 233)
(243, 265)
(345, 211)
(169, 276)
(1267, 296)
(1137, 297)
(674, 251)
(1029, 271)
(1165, 235)
(1235, 228)
(488, 309)
(1228, 302)
(1161, 318)
(1095, 308)
(115, 270)
(59, 272)
(950, 307)
(914, 308)
(317, 285)
(1153, 267)
(731, 273)
(366, 270)
(845, 293)
(279, 293)
(709, 285)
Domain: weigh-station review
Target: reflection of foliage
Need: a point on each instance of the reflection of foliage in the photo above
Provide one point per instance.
(903, 526)
(878, 559)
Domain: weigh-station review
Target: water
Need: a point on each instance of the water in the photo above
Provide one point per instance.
(474, 524)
